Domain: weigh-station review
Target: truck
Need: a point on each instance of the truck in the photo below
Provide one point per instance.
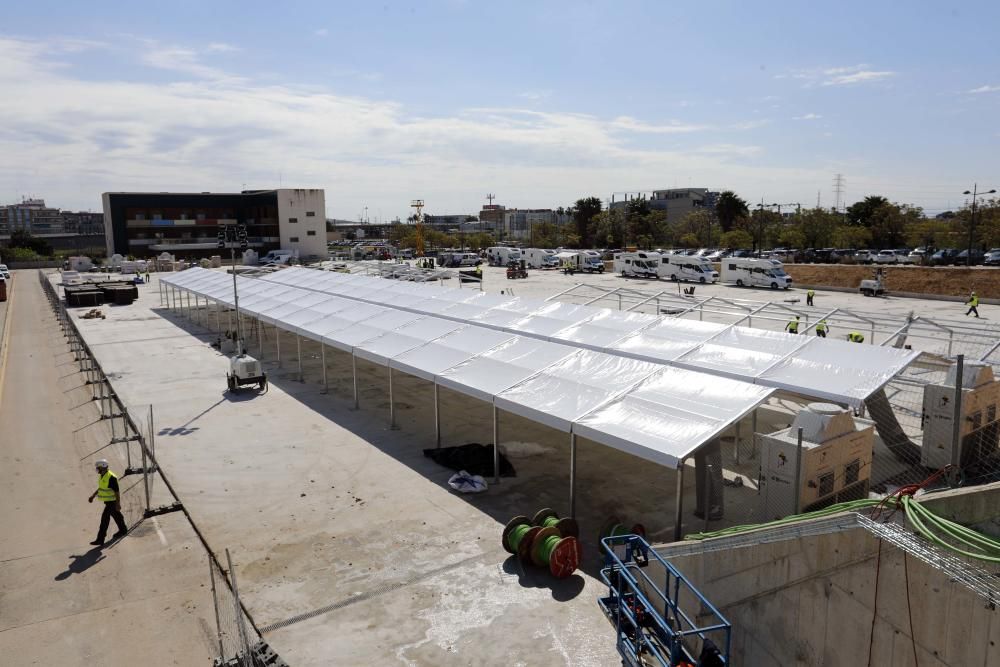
(749, 272)
(691, 268)
(572, 261)
(277, 257)
(503, 255)
(638, 264)
(541, 258)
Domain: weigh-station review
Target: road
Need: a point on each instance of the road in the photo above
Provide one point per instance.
(143, 600)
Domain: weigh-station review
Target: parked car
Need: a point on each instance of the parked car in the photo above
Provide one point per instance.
(961, 258)
(992, 258)
(943, 257)
(917, 256)
(903, 256)
(865, 256)
(4, 272)
(887, 257)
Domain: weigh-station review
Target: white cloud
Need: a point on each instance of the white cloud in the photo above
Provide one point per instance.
(321, 32)
(985, 89)
(221, 47)
(204, 129)
(632, 125)
(808, 116)
(862, 76)
(535, 95)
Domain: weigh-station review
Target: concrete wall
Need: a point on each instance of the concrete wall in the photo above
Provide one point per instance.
(811, 600)
(295, 204)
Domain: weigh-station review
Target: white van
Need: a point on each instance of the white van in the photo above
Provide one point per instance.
(580, 260)
(639, 264)
(540, 258)
(685, 267)
(749, 272)
(277, 257)
(502, 255)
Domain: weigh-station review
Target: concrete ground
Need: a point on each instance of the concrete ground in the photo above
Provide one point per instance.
(143, 600)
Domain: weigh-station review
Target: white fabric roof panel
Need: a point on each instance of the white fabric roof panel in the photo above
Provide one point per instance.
(293, 305)
(405, 338)
(667, 340)
(564, 391)
(603, 329)
(835, 369)
(551, 317)
(298, 320)
(503, 366)
(441, 354)
(742, 353)
(671, 414)
(365, 329)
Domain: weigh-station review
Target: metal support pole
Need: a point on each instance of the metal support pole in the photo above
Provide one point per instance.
(496, 445)
(159, 286)
(871, 341)
(736, 449)
(392, 404)
(707, 506)
(679, 502)
(322, 355)
(798, 472)
(753, 434)
(239, 610)
(277, 342)
(218, 317)
(956, 425)
(298, 351)
(145, 472)
(437, 417)
(354, 370)
(572, 475)
(215, 603)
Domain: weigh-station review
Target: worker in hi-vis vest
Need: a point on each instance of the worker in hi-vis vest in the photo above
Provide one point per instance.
(793, 325)
(855, 337)
(809, 297)
(973, 304)
(108, 493)
(821, 328)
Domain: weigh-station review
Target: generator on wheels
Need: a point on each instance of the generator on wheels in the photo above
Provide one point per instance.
(244, 370)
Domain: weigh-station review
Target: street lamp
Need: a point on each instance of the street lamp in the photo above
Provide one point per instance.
(972, 224)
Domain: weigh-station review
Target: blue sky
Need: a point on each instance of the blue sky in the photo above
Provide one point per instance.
(539, 102)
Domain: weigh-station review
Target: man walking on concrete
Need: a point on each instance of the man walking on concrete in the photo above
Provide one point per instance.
(973, 304)
(108, 493)
(809, 297)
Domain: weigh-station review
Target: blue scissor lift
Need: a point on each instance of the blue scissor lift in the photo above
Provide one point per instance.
(644, 600)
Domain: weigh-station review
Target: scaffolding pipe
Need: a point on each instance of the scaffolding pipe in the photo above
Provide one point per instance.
(572, 475)
(956, 422)
(798, 472)
(298, 351)
(392, 405)
(322, 355)
(354, 370)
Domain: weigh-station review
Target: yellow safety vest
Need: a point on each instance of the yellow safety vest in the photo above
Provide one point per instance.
(810, 293)
(105, 494)
(855, 337)
(821, 325)
(974, 301)
(793, 327)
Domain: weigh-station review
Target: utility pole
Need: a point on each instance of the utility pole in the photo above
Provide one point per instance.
(972, 223)
(489, 197)
(838, 191)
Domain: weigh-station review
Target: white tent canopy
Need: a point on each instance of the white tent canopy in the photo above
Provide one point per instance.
(762, 357)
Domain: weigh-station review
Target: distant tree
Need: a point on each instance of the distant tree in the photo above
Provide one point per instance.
(845, 236)
(584, 212)
(22, 238)
(791, 237)
(471, 218)
(689, 240)
(736, 239)
(765, 227)
(862, 213)
(730, 208)
(931, 233)
(817, 226)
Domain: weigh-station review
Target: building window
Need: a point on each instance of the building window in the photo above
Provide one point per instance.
(293, 239)
(293, 220)
(311, 232)
(310, 214)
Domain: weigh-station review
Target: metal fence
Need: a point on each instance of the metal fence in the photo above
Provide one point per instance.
(132, 447)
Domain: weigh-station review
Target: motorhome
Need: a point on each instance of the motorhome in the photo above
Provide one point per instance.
(688, 267)
(580, 260)
(639, 264)
(503, 255)
(541, 258)
(750, 272)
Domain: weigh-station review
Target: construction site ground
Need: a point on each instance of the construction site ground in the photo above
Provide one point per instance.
(349, 546)
(956, 281)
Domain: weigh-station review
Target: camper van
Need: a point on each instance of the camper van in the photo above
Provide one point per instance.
(502, 255)
(277, 257)
(572, 261)
(540, 258)
(744, 271)
(639, 264)
(685, 267)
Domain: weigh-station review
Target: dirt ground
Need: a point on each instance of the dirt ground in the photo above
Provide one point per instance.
(943, 280)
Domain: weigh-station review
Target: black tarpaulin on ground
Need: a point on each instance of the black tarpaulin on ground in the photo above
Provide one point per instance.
(473, 458)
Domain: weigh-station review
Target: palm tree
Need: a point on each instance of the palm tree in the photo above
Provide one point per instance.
(729, 208)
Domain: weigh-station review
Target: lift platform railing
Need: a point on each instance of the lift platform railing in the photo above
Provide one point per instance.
(646, 602)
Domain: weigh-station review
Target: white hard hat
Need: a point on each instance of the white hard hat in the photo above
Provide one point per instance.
(101, 463)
